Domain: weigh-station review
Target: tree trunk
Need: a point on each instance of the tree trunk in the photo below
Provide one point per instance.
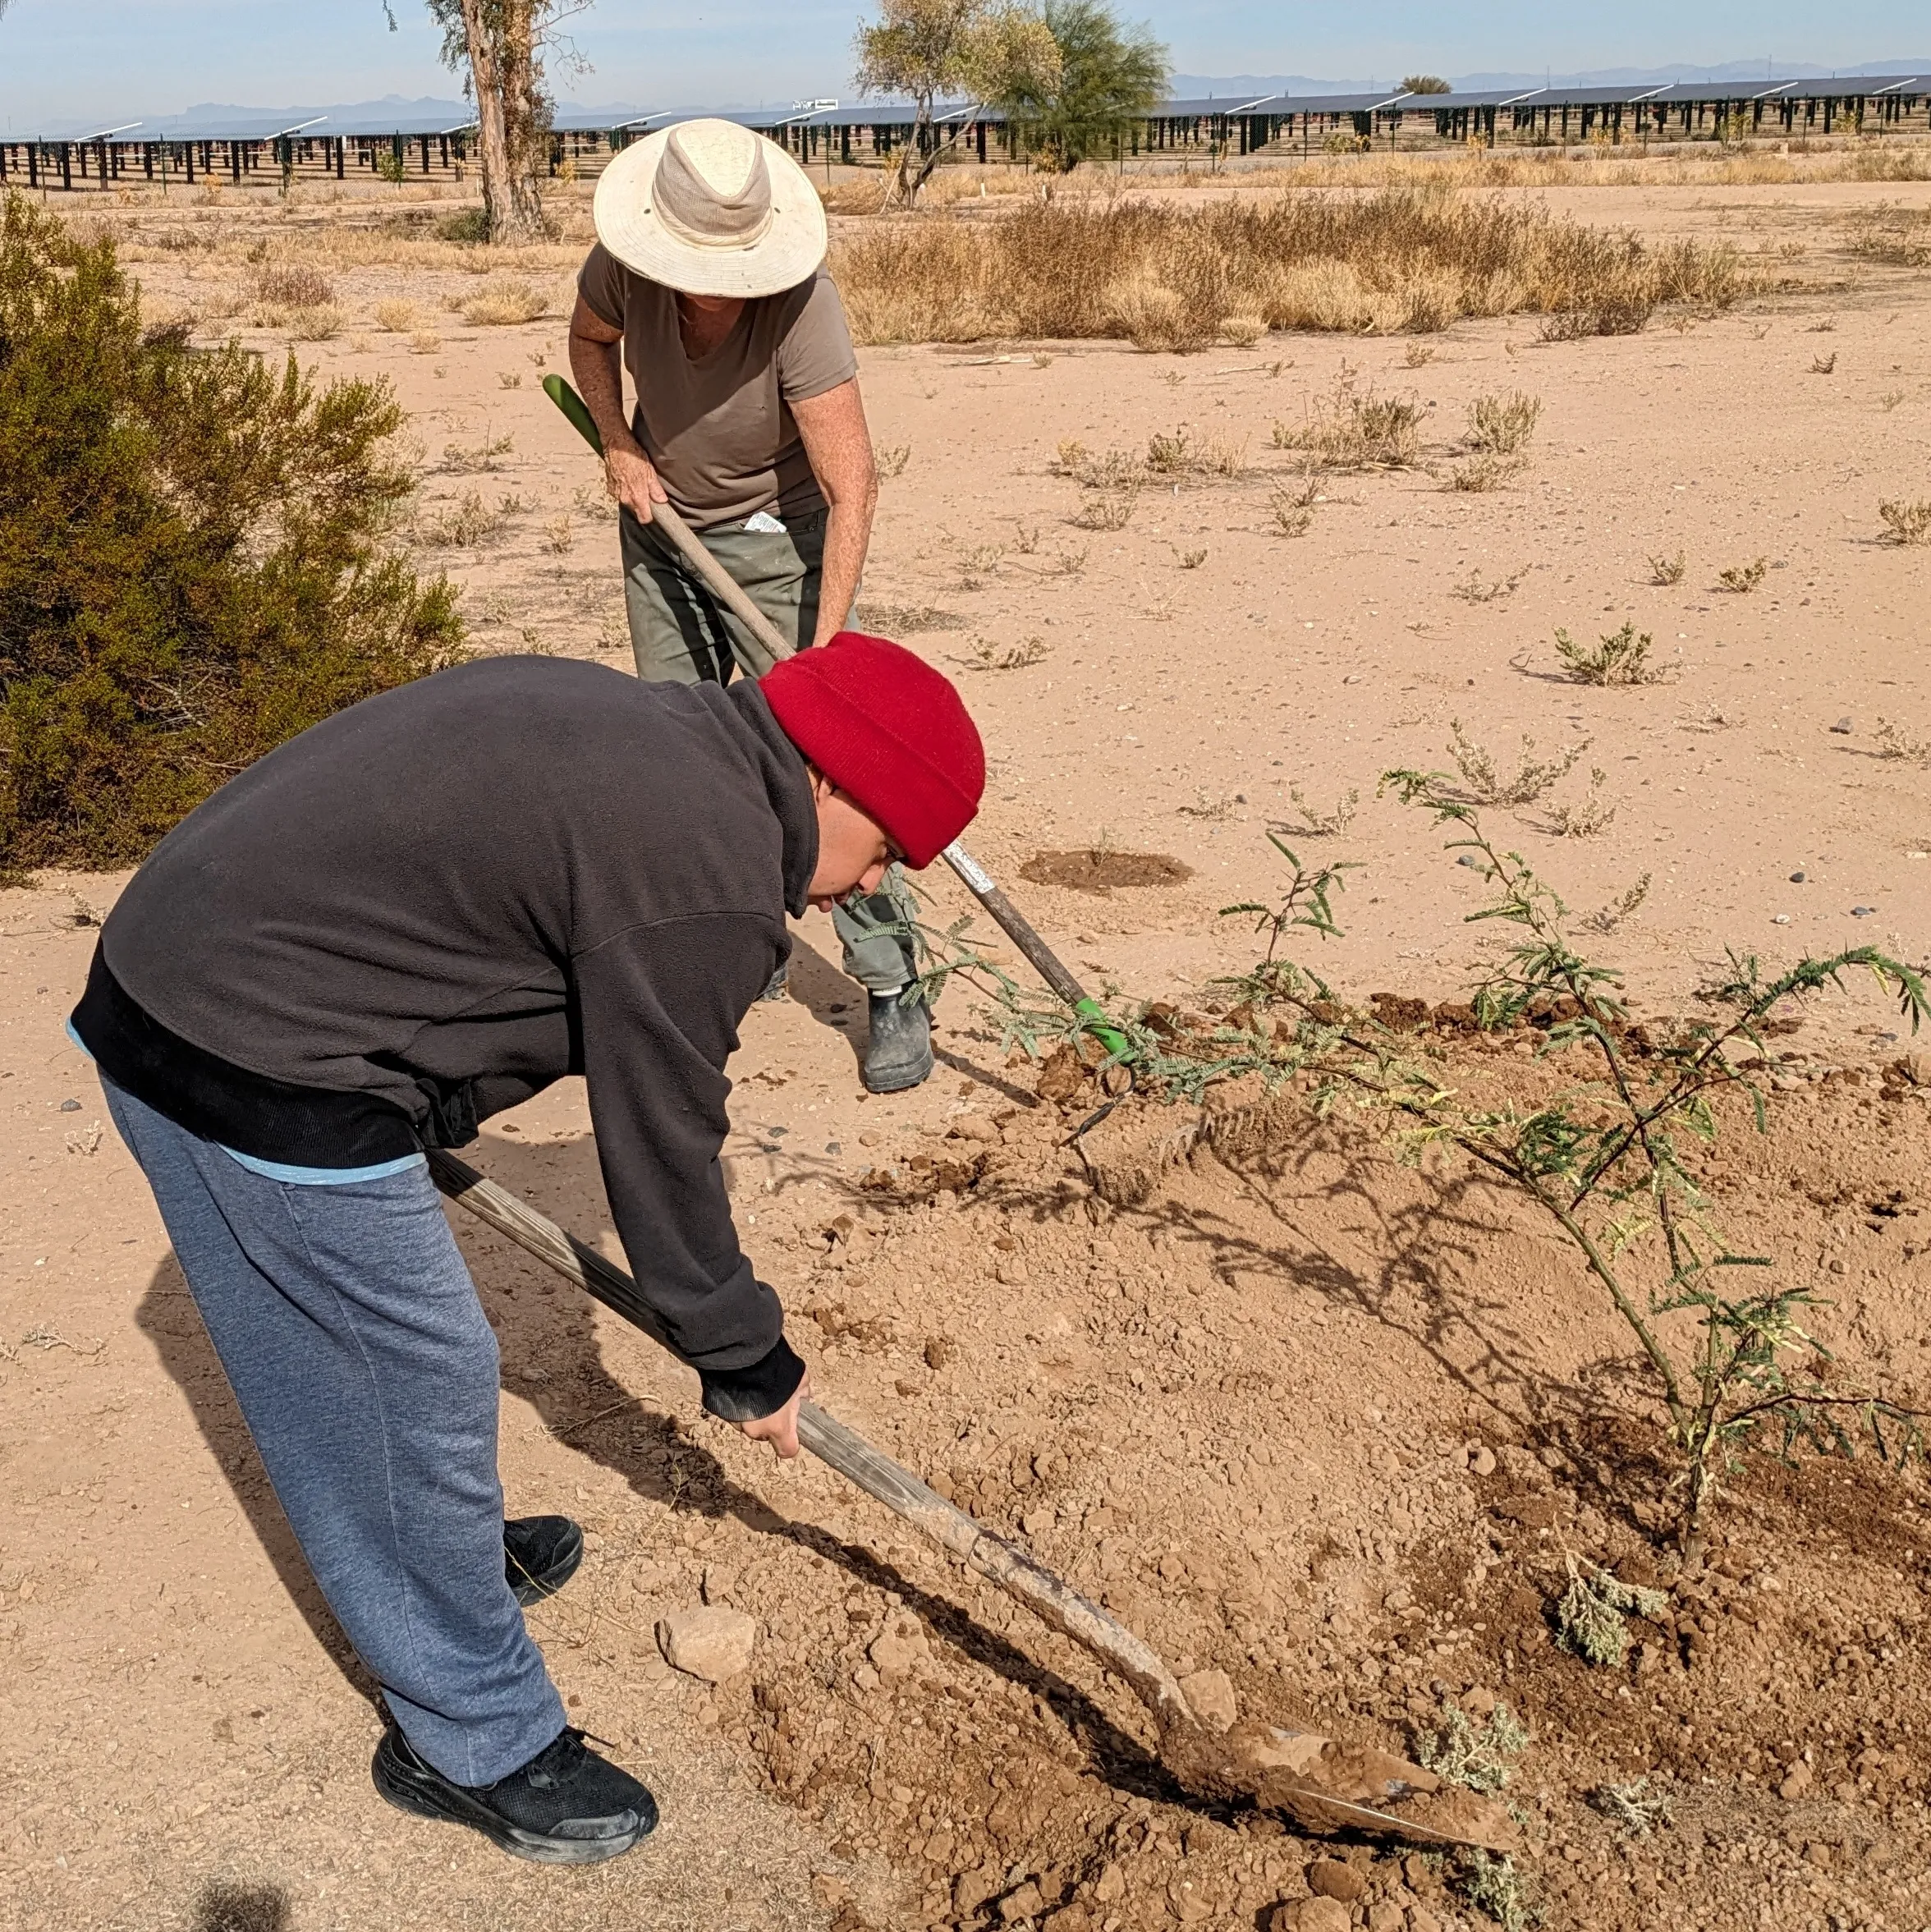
(500, 35)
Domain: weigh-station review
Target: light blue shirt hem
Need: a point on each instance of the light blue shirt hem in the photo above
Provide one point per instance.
(276, 1170)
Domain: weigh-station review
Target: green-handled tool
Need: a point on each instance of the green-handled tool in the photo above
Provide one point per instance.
(977, 881)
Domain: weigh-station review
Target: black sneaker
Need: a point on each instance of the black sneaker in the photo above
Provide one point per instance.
(541, 1555)
(899, 1053)
(566, 1806)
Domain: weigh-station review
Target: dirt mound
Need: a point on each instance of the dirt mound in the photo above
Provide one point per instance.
(1093, 869)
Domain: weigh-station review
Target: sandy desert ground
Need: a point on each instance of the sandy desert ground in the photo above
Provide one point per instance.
(1318, 1421)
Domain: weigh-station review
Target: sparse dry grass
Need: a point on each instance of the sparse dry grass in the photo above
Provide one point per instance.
(398, 316)
(1171, 278)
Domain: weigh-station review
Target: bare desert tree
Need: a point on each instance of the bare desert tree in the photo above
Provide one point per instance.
(495, 44)
(972, 51)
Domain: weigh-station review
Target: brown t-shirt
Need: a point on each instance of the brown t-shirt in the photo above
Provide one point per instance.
(720, 431)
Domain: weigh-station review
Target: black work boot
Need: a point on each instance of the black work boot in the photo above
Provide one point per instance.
(566, 1806)
(899, 1053)
(541, 1555)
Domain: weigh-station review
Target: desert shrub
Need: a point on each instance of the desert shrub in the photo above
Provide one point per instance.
(293, 284)
(397, 316)
(1906, 523)
(1623, 657)
(1402, 258)
(192, 563)
(1900, 238)
(502, 302)
(1503, 424)
(1357, 430)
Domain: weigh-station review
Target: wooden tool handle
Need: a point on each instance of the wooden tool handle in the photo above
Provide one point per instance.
(831, 1441)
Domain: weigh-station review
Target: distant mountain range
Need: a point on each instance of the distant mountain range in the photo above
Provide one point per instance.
(219, 118)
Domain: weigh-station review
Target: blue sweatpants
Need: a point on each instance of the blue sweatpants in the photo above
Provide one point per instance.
(351, 1335)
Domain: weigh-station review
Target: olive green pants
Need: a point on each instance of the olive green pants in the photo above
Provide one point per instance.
(682, 635)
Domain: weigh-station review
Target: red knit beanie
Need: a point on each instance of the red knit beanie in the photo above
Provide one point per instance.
(889, 731)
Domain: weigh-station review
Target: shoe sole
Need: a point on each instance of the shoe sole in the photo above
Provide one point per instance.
(533, 1587)
(444, 1803)
(898, 1084)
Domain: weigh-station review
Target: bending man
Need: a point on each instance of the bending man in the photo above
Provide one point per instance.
(416, 914)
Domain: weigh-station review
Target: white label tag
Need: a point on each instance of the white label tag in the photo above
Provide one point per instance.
(765, 522)
(963, 863)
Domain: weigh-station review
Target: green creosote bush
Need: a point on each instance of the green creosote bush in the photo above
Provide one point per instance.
(195, 559)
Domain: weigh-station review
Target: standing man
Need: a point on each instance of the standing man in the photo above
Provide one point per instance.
(420, 912)
(707, 283)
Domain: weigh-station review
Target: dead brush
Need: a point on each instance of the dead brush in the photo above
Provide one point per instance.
(1107, 510)
(1357, 430)
(293, 285)
(1899, 237)
(1316, 823)
(1590, 818)
(1621, 657)
(502, 302)
(1473, 589)
(1015, 657)
(1533, 777)
(1171, 456)
(398, 317)
(1481, 474)
(465, 459)
(1906, 523)
(1503, 425)
(464, 524)
(1893, 742)
(1824, 365)
(892, 462)
(1175, 278)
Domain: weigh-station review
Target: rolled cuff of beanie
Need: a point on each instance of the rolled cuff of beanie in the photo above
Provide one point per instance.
(749, 1394)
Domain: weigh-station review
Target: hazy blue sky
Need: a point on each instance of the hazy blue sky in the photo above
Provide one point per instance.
(63, 59)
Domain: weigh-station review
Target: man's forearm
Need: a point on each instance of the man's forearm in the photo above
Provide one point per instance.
(848, 532)
(599, 369)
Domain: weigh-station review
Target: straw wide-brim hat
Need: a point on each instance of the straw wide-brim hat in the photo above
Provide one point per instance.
(710, 208)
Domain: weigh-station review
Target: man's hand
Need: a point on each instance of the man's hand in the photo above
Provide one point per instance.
(780, 1428)
(629, 478)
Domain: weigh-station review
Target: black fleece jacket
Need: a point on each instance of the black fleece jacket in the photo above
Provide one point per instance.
(431, 905)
